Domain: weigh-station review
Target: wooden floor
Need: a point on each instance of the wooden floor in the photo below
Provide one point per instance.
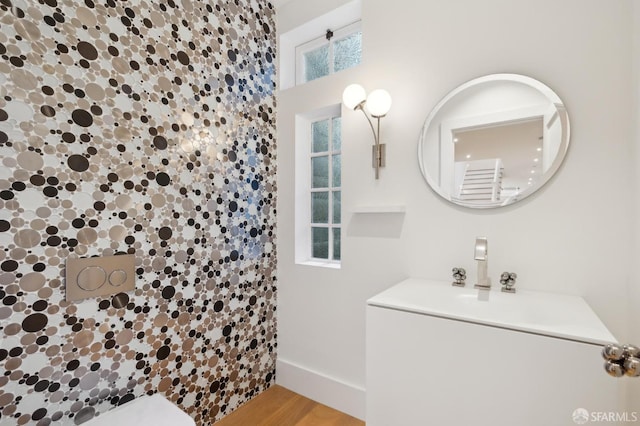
(278, 406)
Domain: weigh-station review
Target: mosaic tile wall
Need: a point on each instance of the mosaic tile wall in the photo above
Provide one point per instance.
(141, 127)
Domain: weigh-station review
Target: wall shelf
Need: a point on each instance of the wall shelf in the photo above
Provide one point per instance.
(380, 209)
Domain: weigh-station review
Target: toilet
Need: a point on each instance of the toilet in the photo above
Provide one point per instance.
(146, 410)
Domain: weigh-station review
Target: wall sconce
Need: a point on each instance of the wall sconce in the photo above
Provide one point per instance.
(378, 104)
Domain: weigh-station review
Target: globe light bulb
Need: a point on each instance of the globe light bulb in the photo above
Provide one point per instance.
(379, 103)
(353, 95)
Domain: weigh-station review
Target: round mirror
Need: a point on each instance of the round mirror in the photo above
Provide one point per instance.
(494, 141)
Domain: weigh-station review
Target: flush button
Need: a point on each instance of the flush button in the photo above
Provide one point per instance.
(117, 278)
(99, 276)
(91, 278)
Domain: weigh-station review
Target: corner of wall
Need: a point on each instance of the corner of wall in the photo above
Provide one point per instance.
(634, 281)
(331, 391)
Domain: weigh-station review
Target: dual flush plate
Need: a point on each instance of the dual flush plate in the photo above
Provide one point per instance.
(99, 276)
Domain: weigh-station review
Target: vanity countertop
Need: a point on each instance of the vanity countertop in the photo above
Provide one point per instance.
(550, 314)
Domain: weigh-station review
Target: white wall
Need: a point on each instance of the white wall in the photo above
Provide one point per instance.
(574, 236)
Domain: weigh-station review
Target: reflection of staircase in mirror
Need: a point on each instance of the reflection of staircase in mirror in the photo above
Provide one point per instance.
(480, 181)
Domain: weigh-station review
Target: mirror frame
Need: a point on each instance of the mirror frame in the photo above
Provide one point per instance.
(491, 79)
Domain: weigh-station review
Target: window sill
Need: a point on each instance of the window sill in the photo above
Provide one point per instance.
(320, 263)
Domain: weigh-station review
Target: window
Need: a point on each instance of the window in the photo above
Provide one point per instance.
(299, 37)
(318, 181)
(325, 189)
(330, 53)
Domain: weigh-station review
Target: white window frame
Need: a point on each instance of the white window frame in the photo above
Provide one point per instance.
(303, 182)
(338, 34)
(297, 33)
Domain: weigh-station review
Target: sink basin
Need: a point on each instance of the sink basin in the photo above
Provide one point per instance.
(550, 314)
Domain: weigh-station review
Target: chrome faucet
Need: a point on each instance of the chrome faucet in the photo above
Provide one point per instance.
(482, 256)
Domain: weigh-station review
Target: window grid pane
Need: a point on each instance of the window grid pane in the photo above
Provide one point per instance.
(320, 207)
(316, 63)
(336, 164)
(336, 134)
(320, 243)
(320, 172)
(336, 244)
(320, 136)
(347, 52)
(336, 204)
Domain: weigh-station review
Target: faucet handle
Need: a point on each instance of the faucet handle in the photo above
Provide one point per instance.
(613, 352)
(614, 369)
(631, 351)
(459, 275)
(632, 367)
(621, 360)
(508, 281)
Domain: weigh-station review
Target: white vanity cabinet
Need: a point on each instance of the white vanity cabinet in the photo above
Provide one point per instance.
(437, 355)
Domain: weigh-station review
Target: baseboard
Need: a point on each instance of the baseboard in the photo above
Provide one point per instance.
(345, 397)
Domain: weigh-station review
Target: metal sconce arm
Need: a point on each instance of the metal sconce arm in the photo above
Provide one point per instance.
(378, 103)
(378, 158)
